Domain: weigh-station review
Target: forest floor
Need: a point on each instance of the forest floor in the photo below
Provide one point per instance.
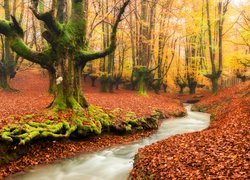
(220, 151)
(33, 97)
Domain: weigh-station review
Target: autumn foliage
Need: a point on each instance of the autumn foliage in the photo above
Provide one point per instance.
(221, 151)
(33, 98)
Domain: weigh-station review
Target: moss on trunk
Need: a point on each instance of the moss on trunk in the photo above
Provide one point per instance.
(215, 85)
(4, 80)
(67, 52)
(52, 81)
(141, 85)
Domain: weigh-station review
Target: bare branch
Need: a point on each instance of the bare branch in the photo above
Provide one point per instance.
(48, 18)
(88, 56)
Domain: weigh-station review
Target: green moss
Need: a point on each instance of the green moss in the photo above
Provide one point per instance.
(133, 122)
(29, 116)
(130, 115)
(60, 103)
(91, 121)
(139, 128)
(199, 108)
(87, 126)
(6, 136)
(32, 135)
(106, 81)
(128, 128)
(97, 114)
(141, 73)
(48, 122)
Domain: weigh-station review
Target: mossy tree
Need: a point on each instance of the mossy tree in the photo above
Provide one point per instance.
(7, 63)
(179, 81)
(67, 52)
(140, 74)
(144, 78)
(192, 56)
(216, 42)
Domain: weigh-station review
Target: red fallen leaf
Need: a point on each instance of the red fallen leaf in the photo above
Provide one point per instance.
(33, 98)
(221, 151)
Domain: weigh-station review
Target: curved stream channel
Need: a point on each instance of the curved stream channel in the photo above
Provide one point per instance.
(114, 163)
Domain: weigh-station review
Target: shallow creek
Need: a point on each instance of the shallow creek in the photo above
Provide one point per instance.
(114, 163)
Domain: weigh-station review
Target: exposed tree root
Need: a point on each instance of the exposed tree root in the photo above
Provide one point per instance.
(83, 122)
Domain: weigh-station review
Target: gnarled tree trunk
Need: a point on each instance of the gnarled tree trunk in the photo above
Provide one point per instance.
(7, 62)
(68, 50)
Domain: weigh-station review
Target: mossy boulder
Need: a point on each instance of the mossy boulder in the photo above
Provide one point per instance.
(199, 108)
(91, 121)
(132, 123)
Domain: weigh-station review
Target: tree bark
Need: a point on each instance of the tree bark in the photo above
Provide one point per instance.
(6, 64)
(52, 80)
(68, 52)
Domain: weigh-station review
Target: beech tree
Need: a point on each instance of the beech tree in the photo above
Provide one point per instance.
(7, 61)
(216, 41)
(67, 52)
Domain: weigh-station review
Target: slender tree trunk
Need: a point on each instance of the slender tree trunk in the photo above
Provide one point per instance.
(133, 42)
(4, 80)
(144, 34)
(7, 59)
(181, 90)
(52, 81)
(213, 77)
(215, 85)
(192, 88)
(141, 85)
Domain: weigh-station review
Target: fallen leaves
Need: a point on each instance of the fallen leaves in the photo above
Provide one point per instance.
(221, 151)
(33, 98)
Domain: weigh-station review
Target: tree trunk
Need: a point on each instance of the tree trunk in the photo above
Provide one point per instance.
(93, 82)
(7, 58)
(192, 88)
(93, 79)
(68, 52)
(215, 85)
(4, 80)
(165, 86)
(181, 90)
(141, 85)
(52, 81)
(68, 85)
(117, 85)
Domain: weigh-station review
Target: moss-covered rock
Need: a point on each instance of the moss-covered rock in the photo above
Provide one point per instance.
(199, 108)
(82, 123)
(28, 116)
(133, 123)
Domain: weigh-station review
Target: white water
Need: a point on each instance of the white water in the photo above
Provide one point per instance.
(114, 163)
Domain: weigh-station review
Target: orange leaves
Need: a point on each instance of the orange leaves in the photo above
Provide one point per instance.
(49, 151)
(32, 98)
(221, 151)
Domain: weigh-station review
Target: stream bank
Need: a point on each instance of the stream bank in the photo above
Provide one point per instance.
(220, 151)
(116, 162)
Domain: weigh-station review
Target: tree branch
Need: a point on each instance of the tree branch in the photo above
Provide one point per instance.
(14, 35)
(88, 56)
(48, 18)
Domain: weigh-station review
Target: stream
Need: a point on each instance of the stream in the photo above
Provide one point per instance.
(114, 163)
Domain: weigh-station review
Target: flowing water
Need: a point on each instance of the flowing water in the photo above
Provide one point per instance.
(114, 163)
